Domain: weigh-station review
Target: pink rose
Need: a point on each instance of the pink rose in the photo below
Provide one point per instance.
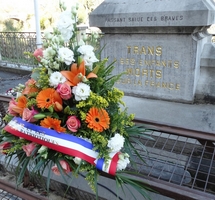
(28, 115)
(28, 148)
(65, 168)
(73, 123)
(4, 146)
(64, 90)
(13, 107)
(38, 54)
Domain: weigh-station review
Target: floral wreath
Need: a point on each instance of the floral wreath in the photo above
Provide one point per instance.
(68, 117)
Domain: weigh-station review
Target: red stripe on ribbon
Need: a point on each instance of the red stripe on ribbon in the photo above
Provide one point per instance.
(113, 165)
(59, 148)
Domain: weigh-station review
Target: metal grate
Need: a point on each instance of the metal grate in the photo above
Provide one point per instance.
(14, 44)
(178, 160)
(175, 164)
(4, 195)
(3, 108)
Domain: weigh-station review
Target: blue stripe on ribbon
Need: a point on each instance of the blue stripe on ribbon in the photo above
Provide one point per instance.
(100, 163)
(54, 133)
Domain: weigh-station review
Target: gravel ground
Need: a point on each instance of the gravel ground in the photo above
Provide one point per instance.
(11, 78)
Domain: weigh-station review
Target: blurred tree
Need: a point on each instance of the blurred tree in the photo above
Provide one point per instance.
(46, 22)
(86, 7)
(49, 13)
(12, 25)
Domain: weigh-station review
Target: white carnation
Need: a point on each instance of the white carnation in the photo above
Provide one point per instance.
(81, 91)
(116, 143)
(66, 25)
(123, 161)
(85, 49)
(89, 59)
(56, 78)
(66, 55)
(87, 54)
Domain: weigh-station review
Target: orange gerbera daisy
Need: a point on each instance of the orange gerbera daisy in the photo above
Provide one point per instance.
(97, 119)
(48, 97)
(52, 123)
(74, 76)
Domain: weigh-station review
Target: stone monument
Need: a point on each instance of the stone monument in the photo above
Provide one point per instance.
(158, 44)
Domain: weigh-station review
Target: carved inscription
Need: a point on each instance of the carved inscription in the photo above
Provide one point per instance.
(145, 65)
(163, 18)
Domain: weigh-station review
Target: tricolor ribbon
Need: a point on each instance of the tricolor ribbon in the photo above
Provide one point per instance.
(110, 166)
(61, 142)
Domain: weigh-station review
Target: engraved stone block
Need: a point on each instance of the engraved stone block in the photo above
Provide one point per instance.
(157, 44)
(161, 67)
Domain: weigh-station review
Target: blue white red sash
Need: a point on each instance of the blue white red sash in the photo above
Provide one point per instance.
(61, 142)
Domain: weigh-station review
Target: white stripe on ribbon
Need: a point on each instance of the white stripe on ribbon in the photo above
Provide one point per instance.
(58, 141)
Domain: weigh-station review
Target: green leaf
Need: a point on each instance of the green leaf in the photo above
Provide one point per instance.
(39, 166)
(137, 141)
(23, 166)
(36, 74)
(138, 185)
(96, 69)
(51, 109)
(48, 177)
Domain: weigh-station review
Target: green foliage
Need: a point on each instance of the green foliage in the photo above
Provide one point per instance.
(85, 8)
(42, 23)
(46, 22)
(91, 176)
(11, 25)
(41, 76)
(105, 80)
(94, 100)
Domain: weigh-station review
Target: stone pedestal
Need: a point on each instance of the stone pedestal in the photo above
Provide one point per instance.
(157, 43)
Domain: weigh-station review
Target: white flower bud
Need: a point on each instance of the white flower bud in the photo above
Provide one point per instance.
(77, 160)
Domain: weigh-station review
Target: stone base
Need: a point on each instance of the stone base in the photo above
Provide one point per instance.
(198, 117)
